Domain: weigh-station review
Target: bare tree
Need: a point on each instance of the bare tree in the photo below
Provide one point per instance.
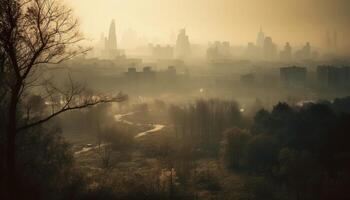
(34, 33)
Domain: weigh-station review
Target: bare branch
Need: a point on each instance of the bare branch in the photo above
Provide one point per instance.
(66, 107)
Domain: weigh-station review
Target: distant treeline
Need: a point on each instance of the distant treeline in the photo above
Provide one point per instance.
(204, 121)
(302, 151)
(290, 152)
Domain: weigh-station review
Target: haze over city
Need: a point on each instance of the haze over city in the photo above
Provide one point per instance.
(295, 21)
(174, 99)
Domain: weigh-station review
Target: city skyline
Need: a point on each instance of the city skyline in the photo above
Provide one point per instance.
(264, 48)
(238, 22)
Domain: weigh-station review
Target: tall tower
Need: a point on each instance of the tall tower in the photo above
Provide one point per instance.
(331, 41)
(335, 38)
(286, 54)
(112, 37)
(183, 46)
(269, 49)
(260, 38)
(328, 41)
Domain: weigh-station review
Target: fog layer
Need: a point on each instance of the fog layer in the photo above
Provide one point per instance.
(237, 21)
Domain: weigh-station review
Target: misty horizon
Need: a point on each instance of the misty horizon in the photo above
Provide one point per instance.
(238, 22)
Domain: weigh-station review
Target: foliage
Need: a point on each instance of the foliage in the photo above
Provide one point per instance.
(303, 148)
(235, 147)
(205, 120)
(258, 188)
(46, 166)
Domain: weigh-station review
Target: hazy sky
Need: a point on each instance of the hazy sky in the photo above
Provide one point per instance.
(237, 21)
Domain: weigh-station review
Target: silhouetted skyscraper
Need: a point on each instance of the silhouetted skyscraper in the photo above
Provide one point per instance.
(286, 54)
(260, 38)
(183, 47)
(335, 38)
(269, 49)
(112, 37)
(307, 49)
(304, 53)
(331, 41)
(328, 41)
(111, 51)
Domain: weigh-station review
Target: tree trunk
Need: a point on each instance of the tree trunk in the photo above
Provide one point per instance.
(11, 143)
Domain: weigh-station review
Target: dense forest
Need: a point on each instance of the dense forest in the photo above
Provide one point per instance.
(289, 152)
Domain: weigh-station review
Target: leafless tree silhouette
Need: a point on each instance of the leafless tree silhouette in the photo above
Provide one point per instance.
(33, 34)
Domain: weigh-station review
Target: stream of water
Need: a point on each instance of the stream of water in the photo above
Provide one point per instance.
(155, 127)
(119, 118)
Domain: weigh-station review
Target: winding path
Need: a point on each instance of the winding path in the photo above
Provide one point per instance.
(156, 127)
(119, 118)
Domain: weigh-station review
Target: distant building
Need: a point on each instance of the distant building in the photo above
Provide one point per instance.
(260, 38)
(331, 42)
(253, 51)
(335, 40)
(228, 64)
(149, 79)
(269, 49)
(146, 75)
(183, 46)
(116, 64)
(167, 77)
(286, 53)
(165, 63)
(334, 77)
(131, 70)
(304, 53)
(293, 76)
(171, 71)
(219, 50)
(111, 43)
(162, 52)
(248, 79)
(110, 50)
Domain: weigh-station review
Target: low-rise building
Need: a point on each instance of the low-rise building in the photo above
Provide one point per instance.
(293, 76)
(332, 76)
